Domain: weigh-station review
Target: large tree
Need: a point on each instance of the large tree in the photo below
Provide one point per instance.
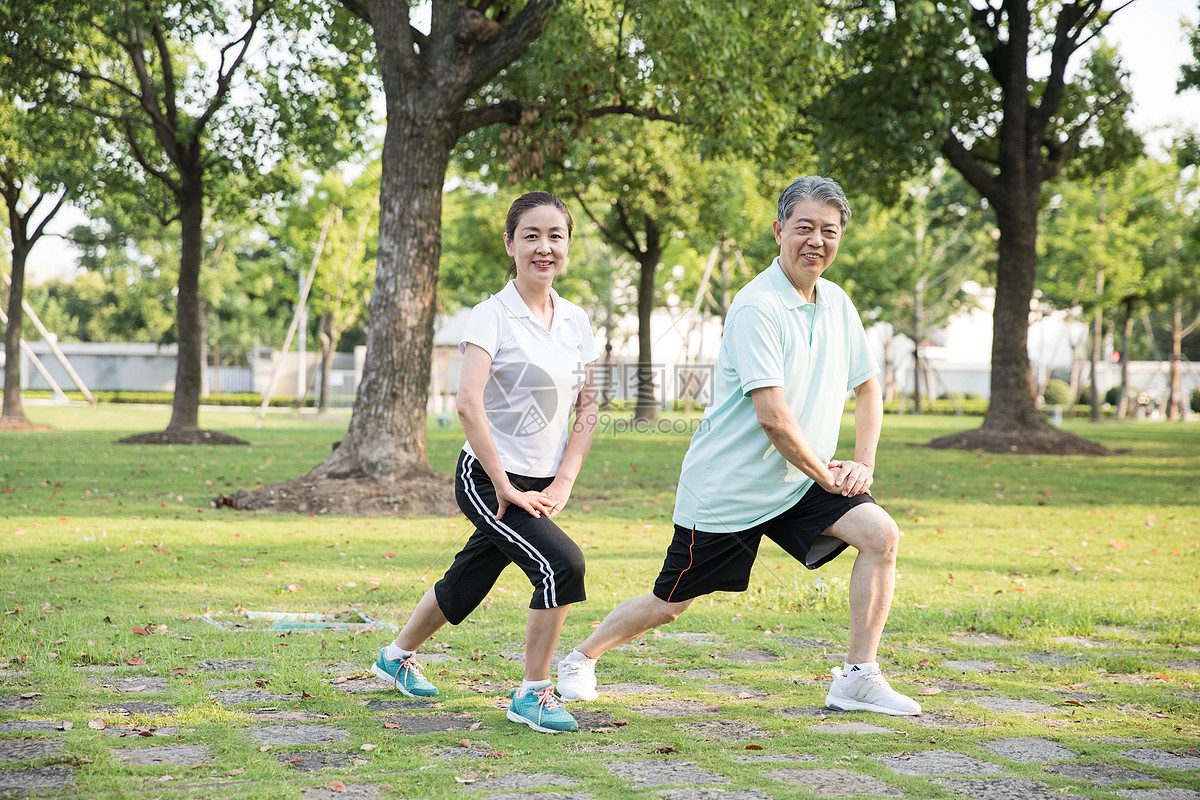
(201, 99)
(46, 155)
(444, 81)
(989, 86)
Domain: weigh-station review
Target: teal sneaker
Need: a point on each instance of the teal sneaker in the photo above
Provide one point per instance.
(540, 710)
(405, 674)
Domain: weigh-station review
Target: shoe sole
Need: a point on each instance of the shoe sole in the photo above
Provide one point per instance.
(395, 684)
(839, 704)
(515, 717)
(577, 698)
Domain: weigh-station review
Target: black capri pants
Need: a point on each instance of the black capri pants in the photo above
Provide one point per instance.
(550, 559)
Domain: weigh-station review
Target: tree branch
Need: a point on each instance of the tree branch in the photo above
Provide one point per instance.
(1060, 153)
(492, 50)
(612, 237)
(140, 158)
(1073, 20)
(168, 70)
(965, 162)
(514, 112)
(225, 76)
(41, 228)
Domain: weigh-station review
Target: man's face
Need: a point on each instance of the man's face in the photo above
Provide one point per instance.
(808, 241)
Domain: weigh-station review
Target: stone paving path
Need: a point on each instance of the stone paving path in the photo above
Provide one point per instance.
(150, 740)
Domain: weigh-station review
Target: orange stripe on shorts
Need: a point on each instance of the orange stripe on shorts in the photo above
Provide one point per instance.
(691, 560)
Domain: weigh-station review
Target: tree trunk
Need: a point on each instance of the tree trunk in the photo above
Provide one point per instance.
(13, 411)
(1094, 361)
(1175, 383)
(386, 438)
(327, 342)
(1126, 336)
(189, 324)
(1012, 407)
(647, 400)
(918, 361)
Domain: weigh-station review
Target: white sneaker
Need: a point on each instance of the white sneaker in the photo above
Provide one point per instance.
(577, 681)
(869, 693)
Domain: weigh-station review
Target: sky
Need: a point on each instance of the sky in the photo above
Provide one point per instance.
(1147, 34)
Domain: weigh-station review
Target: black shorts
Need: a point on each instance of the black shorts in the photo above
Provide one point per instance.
(699, 562)
(550, 559)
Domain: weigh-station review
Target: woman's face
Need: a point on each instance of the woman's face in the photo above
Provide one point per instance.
(539, 244)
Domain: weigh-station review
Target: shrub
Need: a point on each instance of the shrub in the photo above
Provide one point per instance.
(1196, 400)
(1057, 392)
(1113, 396)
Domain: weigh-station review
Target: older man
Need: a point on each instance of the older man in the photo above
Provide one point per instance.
(761, 462)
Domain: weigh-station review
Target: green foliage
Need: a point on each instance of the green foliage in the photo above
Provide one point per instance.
(905, 264)
(231, 399)
(1057, 392)
(943, 79)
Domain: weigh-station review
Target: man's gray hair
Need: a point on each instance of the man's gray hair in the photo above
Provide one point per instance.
(818, 190)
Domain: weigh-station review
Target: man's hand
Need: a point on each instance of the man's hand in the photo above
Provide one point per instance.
(851, 478)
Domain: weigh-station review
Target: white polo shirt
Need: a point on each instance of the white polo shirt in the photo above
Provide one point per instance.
(535, 378)
(733, 478)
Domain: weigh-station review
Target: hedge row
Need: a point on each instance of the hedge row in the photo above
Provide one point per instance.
(252, 399)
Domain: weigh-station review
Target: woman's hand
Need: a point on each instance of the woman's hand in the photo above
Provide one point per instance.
(558, 493)
(536, 503)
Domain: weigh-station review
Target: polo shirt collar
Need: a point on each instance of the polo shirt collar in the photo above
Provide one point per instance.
(787, 292)
(512, 301)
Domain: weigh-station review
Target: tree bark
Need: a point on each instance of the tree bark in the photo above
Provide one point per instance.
(646, 408)
(189, 324)
(1012, 405)
(1175, 382)
(386, 438)
(1126, 337)
(14, 412)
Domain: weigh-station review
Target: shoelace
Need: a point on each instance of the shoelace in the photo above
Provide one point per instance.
(572, 669)
(412, 666)
(545, 698)
(875, 685)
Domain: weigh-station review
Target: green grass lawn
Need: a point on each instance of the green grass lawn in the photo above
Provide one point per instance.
(112, 553)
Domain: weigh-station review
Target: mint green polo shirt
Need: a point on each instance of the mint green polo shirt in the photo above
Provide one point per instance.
(733, 478)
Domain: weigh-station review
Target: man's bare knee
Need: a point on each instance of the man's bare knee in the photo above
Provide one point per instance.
(665, 613)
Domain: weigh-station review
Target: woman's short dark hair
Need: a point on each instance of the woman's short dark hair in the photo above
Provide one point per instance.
(528, 202)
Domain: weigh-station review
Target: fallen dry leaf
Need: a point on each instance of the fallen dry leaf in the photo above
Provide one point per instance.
(140, 631)
(337, 786)
(667, 750)
(367, 747)
(754, 747)
(930, 690)
(97, 724)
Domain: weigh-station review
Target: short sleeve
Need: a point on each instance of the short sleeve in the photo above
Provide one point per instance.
(863, 365)
(754, 345)
(483, 328)
(589, 350)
